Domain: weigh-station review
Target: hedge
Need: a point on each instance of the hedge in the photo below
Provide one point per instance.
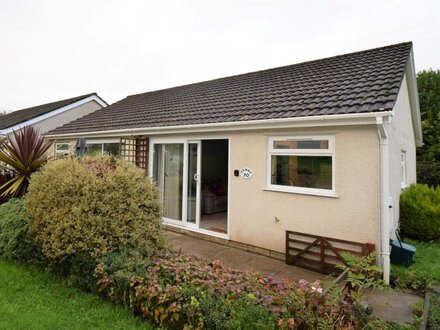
(420, 212)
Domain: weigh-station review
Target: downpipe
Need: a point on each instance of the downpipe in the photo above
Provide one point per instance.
(384, 196)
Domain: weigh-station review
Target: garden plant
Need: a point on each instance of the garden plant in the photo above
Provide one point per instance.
(22, 152)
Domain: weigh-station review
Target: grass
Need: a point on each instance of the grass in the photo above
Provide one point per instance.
(33, 299)
(423, 275)
(434, 312)
(425, 272)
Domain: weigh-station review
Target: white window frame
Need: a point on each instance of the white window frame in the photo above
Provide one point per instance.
(330, 152)
(62, 152)
(403, 170)
(101, 142)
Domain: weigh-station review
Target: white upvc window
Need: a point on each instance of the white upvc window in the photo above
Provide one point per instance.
(403, 171)
(62, 149)
(109, 146)
(301, 164)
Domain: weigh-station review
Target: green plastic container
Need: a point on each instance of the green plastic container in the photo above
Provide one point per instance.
(402, 253)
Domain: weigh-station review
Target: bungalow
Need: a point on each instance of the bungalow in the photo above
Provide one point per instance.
(49, 116)
(321, 147)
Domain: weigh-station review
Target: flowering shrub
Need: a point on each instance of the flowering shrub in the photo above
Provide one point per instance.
(188, 292)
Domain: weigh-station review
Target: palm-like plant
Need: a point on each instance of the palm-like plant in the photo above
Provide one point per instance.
(22, 152)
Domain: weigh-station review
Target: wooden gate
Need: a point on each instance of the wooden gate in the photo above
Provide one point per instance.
(319, 253)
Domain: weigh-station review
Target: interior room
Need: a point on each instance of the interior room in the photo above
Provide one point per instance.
(214, 199)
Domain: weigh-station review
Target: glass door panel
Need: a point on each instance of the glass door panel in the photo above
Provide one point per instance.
(168, 173)
(193, 183)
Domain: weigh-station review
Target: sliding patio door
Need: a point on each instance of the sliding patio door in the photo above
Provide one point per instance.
(168, 173)
(194, 183)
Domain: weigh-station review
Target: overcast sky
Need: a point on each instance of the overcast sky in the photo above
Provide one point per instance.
(50, 50)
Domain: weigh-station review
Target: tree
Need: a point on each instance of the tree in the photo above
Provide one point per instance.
(428, 156)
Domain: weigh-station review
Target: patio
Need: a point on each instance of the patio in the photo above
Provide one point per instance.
(240, 259)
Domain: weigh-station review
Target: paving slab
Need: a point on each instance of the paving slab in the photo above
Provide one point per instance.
(232, 257)
(181, 243)
(263, 264)
(240, 259)
(390, 305)
(300, 273)
(173, 235)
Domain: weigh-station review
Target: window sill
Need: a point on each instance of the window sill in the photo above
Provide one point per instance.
(310, 193)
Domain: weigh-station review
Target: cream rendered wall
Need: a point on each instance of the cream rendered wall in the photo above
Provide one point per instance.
(353, 215)
(401, 137)
(67, 116)
(71, 146)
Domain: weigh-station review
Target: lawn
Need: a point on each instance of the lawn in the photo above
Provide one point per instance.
(425, 270)
(33, 299)
(422, 275)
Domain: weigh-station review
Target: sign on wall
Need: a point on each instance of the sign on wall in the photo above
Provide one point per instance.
(246, 173)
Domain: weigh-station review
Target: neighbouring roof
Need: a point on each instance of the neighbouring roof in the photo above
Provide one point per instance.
(366, 81)
(19, 116)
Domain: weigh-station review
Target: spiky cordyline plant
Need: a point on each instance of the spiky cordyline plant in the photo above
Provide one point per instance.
(23, 152)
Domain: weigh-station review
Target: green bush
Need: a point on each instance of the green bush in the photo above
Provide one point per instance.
(204, 310)
(420, 212)
(123, 266)
(94, 206)
(15, 243)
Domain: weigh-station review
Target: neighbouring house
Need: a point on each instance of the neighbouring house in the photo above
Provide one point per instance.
(49, 116)
(321, 147)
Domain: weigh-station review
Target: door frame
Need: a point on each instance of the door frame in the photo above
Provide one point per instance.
(185, 140)
(198, 187)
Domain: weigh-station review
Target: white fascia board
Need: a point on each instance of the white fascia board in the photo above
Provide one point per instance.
(298, 122)
(37, 119)
(414, 100)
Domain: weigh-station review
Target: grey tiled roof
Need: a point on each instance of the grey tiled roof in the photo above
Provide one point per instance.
(366, 81)
(23, 115)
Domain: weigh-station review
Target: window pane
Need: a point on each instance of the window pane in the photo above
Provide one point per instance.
(157, 160)
(302, 171)
(298, 144)
(168, 173)
(62, 147)
(111, 148)
(94, 148)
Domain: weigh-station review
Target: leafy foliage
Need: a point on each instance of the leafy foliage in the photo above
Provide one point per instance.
(420, 212)
(24, 152)
(94, 205)
(15, 243)
(361, 272)
(428, 156)
(192, 293)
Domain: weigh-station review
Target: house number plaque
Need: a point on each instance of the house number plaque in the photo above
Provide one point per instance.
(246, 173)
